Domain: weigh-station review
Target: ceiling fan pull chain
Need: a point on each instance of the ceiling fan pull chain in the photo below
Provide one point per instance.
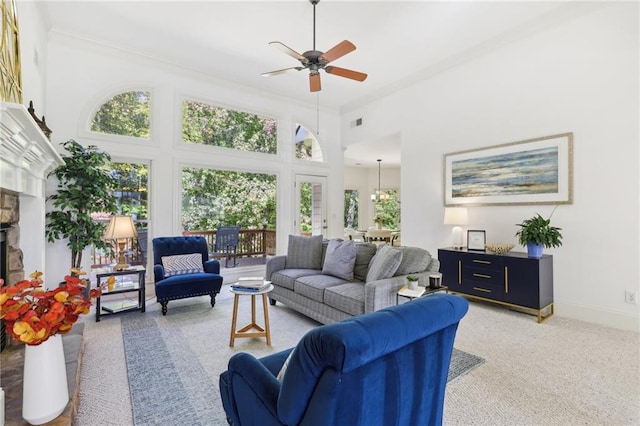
(318, 113)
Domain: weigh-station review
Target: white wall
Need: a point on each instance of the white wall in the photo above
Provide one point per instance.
(579, 76)
(33, 52)
(80, 76)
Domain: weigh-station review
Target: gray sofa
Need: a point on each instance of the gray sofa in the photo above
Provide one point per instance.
(335, 279)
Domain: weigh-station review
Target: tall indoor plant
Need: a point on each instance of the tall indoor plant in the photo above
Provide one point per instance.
(536, 233)
(84, 187)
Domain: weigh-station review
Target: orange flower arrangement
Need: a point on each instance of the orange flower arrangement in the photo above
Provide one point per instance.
(33, 313)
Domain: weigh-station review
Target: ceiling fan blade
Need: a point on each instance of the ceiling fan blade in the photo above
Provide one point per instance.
(286, 49)
(337, 51)
(343, 72)
(314, 82)
(282, 71)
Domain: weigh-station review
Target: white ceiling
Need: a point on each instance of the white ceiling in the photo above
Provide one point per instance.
(397, 42)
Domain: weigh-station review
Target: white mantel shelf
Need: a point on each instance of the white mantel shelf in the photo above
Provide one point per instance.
(26, 155)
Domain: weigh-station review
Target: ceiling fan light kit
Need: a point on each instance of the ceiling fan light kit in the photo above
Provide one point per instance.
(315, 60)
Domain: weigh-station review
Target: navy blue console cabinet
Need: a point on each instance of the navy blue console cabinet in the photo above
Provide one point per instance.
(511, 279)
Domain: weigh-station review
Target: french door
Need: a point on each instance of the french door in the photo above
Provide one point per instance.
(310, 217)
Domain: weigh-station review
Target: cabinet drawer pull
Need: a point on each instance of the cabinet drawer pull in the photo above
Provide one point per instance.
(482, 276)
(506, 279)
(485, 262)
(482, 289)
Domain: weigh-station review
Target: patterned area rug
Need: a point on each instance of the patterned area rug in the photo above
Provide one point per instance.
(174, 361)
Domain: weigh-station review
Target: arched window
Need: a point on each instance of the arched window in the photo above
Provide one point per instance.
(125, 114)
(307, 146)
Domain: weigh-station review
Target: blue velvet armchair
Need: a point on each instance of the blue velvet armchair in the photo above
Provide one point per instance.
(387, 367)
(204, 277)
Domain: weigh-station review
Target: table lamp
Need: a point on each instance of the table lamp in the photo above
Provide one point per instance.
(120, 228)
(456, 216)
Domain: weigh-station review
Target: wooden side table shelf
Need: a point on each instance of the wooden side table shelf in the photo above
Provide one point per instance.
(252, 329)
(121, 286)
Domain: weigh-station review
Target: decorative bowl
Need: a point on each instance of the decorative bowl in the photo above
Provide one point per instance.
(499, 248)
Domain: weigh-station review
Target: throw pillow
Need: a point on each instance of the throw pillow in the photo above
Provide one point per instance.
(283, 369)
(340, 259)
(304, 252)
(364, 254)
(182, 264)
(384, 264)
(414, 259)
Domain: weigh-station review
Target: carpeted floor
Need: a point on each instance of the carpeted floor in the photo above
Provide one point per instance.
(561, 372)
(169, 356)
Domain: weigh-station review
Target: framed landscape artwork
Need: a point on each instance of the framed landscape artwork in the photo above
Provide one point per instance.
(534, 171)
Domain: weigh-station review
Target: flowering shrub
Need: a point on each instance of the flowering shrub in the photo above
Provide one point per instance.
(33, 313)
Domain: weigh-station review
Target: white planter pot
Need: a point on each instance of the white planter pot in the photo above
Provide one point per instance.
(44, 390)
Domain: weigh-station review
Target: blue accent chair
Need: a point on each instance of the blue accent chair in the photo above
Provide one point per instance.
(387, 367)
(186, 285)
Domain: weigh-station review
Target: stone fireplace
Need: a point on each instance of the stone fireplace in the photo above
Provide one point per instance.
(11, 258)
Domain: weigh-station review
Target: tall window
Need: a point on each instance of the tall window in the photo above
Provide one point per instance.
(211, 198)
(211, 125)
(307, 146)
(126, 114)
(132, 192)
(388, 209)
(132, 197)
(351, 208)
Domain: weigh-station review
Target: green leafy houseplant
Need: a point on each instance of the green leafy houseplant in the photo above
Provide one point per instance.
(383, 219)
(538, 230)
(412, 278)
(84, 187)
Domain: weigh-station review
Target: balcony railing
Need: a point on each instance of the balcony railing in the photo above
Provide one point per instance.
(252, 244)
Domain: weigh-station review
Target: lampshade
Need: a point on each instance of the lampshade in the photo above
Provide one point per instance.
(120, 227)
(456, 216)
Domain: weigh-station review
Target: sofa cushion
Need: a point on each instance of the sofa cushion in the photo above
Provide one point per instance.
(287, 277)
(364, 254)
(347, 297)
(414, 259)
(339, 260)
(313, 286)
(304, 252)
(384, 264)
(182, 264)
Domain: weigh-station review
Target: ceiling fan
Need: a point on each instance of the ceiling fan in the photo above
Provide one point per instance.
(315, 60)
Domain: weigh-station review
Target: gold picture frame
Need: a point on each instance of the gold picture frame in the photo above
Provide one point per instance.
(10, 66)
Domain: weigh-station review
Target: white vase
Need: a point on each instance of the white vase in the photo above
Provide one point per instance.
(44, 389)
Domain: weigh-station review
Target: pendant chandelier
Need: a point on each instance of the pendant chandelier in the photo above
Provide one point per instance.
(379, 195)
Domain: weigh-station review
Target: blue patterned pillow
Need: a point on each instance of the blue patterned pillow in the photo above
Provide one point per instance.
(182, 264)
(304, 252)
(340, 259)
(384, 264)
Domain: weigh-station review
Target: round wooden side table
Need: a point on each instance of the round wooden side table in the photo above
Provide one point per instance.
(252, 329)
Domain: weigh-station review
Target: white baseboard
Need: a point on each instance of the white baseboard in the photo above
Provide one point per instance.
(623, 321)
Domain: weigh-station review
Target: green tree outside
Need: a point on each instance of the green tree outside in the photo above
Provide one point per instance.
(126, 114)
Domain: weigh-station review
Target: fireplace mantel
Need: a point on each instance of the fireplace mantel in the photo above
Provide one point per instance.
(26, 155)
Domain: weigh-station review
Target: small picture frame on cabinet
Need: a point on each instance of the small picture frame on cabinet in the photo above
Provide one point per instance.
(476, 240)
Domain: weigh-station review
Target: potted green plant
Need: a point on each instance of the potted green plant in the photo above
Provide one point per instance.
(536, 233)
(382, 219)
(412, 281)
(84, 187)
